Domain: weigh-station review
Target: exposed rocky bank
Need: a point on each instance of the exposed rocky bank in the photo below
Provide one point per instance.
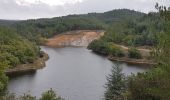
(79, 38)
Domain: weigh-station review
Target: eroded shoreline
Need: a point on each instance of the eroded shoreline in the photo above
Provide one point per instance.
(28, 68)
(133, 61)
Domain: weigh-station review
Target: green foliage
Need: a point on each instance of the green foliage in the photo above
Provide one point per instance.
(50, 95)
(102, 47)
(154, 84)
(27, 97)
(116, 84)
(116, 51)
(3, 77)
(137, 32)
(134, 53)
(35, 29)
(3, 82)
(45, 28)
(14, 50)
(122, 26)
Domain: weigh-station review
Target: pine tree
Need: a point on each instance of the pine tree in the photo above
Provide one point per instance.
(115, 86)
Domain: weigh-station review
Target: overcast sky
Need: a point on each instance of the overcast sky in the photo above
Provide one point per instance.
(31, 9)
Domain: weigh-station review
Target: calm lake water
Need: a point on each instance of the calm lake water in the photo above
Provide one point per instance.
(75, 73)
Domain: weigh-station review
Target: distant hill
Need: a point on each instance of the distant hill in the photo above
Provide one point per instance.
(114, 15)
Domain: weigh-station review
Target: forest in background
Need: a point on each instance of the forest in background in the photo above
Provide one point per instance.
(125, 25)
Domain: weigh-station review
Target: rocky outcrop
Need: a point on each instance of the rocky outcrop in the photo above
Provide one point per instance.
(75, 38)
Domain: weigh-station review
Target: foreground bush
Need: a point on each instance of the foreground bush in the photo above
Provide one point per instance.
(49, 95)
(153, 85)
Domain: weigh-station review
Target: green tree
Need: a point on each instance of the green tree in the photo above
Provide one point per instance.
(116, 84)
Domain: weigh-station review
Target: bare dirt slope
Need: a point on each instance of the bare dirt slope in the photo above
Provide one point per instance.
(75, 38)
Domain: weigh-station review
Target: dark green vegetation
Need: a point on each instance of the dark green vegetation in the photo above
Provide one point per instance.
(106, 48)
(134, 30)
(48, 95)
(115, 86)
(124, 21)
(153, 84)
(14, 50)
(134, 53)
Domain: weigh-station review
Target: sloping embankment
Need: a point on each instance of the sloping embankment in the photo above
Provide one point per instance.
(75, 38)
(28, 68)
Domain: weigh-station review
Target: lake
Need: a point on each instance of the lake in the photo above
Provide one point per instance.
(74, 73)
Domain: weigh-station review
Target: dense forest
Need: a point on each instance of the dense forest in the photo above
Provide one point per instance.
(141, 31)
(19, 39)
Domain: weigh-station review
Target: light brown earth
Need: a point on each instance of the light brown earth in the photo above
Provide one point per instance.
(75, 38)
(145, 52)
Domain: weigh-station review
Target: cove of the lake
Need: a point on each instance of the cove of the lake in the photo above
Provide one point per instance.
(74, 73)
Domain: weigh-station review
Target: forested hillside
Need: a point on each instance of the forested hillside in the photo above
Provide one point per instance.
(132, 32)
(35, 29)
(122, 26)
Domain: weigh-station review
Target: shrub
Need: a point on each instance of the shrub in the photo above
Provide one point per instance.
(134, 53)
(50, 95)
(99, 46)
(103, 47)
(116, 51)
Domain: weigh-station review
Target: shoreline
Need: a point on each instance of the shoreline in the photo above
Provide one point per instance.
(20, 69)
(132, 61)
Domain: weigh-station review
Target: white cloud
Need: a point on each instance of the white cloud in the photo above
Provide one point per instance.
(49, 2)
